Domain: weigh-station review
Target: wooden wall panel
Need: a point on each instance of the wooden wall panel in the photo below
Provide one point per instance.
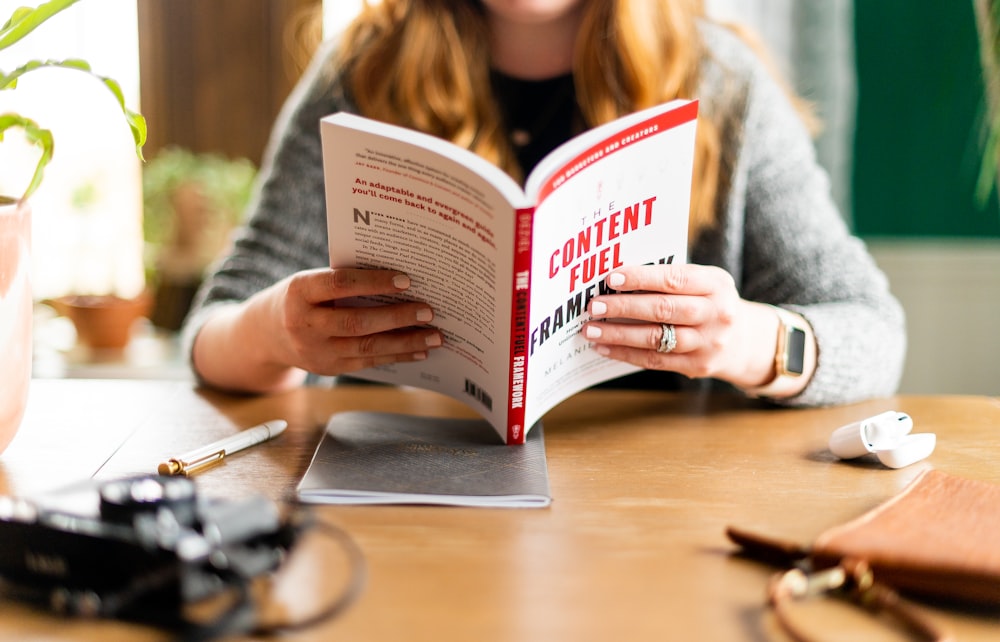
(214, 73)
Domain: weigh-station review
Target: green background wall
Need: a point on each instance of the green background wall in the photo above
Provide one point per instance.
(920, 102)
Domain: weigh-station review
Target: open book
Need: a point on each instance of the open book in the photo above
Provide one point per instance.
(508, 272)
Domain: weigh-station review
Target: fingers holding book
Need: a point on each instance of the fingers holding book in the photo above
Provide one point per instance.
(685, 318)
(328, 338)
(325, 321)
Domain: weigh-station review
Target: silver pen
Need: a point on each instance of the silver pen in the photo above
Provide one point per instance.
(215, 452)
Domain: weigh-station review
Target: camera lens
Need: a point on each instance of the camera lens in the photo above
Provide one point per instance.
(122, 500)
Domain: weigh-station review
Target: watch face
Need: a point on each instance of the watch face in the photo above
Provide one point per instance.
(795, 351)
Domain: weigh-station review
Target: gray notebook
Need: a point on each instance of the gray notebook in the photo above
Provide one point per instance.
(390, 458)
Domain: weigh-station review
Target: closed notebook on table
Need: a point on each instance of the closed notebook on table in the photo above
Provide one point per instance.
(389, 458)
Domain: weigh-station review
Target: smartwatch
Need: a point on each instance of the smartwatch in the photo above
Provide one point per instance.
(789, 357)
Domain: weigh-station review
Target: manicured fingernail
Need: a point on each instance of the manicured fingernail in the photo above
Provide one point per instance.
(592, 332)
(424, 315)
(401, 281)
(616, 279)
(603, 350)
(598, 308)
(419, 356)
(433, 340)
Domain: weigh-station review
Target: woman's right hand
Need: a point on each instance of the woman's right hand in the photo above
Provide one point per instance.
(271, 340)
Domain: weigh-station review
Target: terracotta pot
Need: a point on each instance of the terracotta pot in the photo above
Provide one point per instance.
(103, 322)
(15, 315)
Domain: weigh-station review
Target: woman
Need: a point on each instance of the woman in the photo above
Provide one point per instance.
(779, 299)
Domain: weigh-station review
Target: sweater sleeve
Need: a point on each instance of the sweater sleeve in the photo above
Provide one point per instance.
(798, 253)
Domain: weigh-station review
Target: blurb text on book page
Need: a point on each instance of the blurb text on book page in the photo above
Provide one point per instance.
(395, 205)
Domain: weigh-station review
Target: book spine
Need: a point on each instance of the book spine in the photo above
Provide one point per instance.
(520, 298)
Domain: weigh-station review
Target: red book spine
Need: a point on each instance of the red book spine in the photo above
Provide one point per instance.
(520, 290)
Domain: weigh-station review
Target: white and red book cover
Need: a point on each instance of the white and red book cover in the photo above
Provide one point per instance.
(509, 271)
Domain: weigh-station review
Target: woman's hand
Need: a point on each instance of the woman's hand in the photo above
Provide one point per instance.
(716, 333)
(296, 326)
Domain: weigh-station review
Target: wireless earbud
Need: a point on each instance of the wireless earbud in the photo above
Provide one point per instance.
(887, 435)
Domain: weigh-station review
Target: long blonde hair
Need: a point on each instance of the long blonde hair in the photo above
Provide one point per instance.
(425, 64)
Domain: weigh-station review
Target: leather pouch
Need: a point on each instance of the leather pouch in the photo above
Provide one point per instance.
(936, 540)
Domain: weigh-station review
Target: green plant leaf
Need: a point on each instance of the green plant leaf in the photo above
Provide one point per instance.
(987, 13)
(24, 20)
(9, 80)
(38, 136)
(136, 123)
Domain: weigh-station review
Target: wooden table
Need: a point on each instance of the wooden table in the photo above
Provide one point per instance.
(632, 547)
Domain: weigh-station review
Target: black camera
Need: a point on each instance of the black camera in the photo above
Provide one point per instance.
(139, 548)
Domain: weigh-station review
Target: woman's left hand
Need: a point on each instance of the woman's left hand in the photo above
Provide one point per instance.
(715, 333)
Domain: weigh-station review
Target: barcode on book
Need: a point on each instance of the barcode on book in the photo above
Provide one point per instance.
(478, 394)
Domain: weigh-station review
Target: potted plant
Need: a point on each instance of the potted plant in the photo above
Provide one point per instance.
(15, 215)
(101, 314)
(191, 203)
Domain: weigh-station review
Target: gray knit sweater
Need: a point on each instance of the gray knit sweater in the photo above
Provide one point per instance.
(779, 233)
